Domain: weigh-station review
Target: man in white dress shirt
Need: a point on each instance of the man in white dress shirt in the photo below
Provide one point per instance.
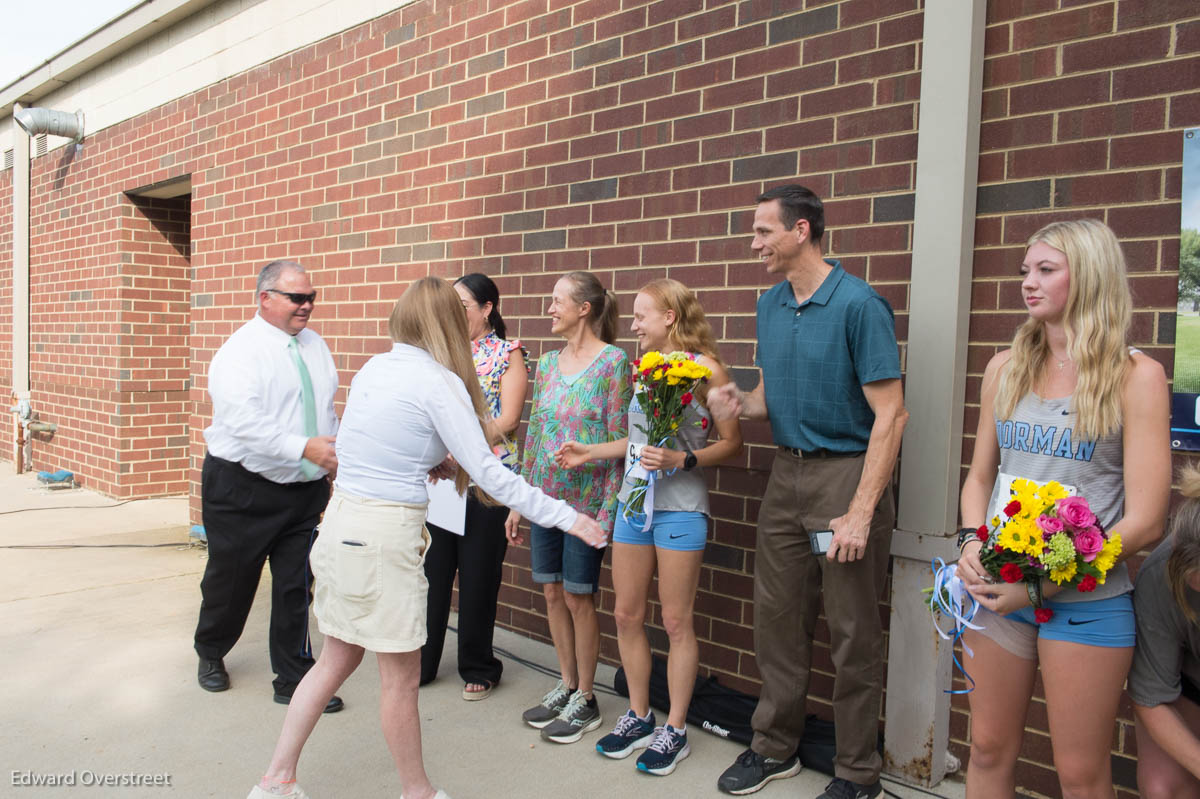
(265, 478)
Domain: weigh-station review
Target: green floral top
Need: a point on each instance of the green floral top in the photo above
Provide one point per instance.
(589, 407)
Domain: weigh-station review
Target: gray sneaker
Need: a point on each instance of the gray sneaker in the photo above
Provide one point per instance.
(579, 716)
(548, 709)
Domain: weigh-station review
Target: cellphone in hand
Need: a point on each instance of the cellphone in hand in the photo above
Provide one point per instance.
(820, 541)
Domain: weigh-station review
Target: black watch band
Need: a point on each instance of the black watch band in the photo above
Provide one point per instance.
(966, 534)
(689, 461)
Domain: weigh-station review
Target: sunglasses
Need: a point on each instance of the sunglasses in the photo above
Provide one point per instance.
(298, 299)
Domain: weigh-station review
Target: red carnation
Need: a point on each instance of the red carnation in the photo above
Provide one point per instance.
(703, 424)
(686, 398)
(998, 549)
(1011, 573)
(1012, 508)
(1043, 615)
(1088, 583)
(982, 532)
(656, 412)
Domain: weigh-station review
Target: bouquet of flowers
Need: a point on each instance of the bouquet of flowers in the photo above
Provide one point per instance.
(1045, 532)
(664, 386)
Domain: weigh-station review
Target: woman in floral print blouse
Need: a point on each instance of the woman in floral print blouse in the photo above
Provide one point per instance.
(477, 556)
(581, 393)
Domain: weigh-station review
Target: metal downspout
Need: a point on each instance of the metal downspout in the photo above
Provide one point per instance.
(20, 283)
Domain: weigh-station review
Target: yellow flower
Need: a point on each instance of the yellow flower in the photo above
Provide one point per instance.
(1107, 557)
(1013, 537)
(672, 379)
(1023, 486)
(651, 360)
(1064, 574)
(658, 373)
(1053, 491)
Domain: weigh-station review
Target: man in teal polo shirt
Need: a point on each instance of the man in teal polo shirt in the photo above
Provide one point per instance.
(829, 383)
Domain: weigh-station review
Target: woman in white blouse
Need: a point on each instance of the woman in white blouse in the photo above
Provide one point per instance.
(408, 409)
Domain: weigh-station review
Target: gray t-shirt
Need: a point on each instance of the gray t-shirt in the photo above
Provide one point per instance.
(1039, 443)
(680, 491)
(1168, 645)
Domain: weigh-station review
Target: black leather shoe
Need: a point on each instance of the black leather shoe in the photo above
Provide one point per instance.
(335, 704)
(212, 675)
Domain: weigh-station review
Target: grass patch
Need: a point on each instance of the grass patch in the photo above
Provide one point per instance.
(1187, 354)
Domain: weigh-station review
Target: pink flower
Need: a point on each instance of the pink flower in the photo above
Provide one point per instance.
(1088, 543)
(1075, 513)
(1050, 524)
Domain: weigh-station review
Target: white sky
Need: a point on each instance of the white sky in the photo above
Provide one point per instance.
(33, 30)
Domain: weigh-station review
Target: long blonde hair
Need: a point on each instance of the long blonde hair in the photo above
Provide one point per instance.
(429, 315)
(1096, 320)
(1184, 559)
(691, 331)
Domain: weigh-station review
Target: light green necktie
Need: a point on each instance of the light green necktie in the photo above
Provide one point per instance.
(309, 468)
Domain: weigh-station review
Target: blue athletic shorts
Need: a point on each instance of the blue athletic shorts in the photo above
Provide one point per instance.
(557, 557)
(682, 530)
(1098, 622)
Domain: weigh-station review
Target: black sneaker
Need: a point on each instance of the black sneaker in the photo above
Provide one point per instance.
(751, 771)
(844, 789)
(630, 733)
(548, 709)
(664, 753)
(579, 716)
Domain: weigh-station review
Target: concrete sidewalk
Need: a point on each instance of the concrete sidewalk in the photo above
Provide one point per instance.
(100, 683)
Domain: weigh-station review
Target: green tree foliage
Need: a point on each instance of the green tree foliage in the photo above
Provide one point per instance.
(1189, 266)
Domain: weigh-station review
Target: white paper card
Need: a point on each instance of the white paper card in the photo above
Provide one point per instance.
(447, 508)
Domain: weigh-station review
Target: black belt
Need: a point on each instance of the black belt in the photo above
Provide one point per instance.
(805, 454)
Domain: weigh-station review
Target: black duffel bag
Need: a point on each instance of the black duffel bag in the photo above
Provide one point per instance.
(726, 712)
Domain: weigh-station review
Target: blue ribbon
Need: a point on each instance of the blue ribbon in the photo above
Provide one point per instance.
(645, 492)
(950, 598)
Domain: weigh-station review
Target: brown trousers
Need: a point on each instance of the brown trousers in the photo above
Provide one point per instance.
(789, 582)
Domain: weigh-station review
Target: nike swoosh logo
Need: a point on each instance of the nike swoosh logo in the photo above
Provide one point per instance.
(681, 535)
(1085, 621)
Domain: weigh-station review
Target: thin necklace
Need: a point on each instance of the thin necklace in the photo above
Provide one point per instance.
(1061, 363)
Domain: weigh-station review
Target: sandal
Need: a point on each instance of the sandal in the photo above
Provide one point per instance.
(475, 696)
(296, 792)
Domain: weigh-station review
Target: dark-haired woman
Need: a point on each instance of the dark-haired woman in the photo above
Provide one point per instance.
(1164, 682)
(477, 556)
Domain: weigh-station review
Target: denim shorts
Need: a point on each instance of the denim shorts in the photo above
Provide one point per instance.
(682, 530)
(1097, 622)
(557, 557)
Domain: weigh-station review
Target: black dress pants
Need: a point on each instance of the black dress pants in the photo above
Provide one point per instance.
(478, 558)
(250, 520)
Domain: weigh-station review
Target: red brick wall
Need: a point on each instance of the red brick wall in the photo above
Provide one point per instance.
(1083, 109)
(526, 139)
(154, 376)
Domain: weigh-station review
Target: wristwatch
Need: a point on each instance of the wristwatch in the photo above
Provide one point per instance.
(966, 534)
(689, 461)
